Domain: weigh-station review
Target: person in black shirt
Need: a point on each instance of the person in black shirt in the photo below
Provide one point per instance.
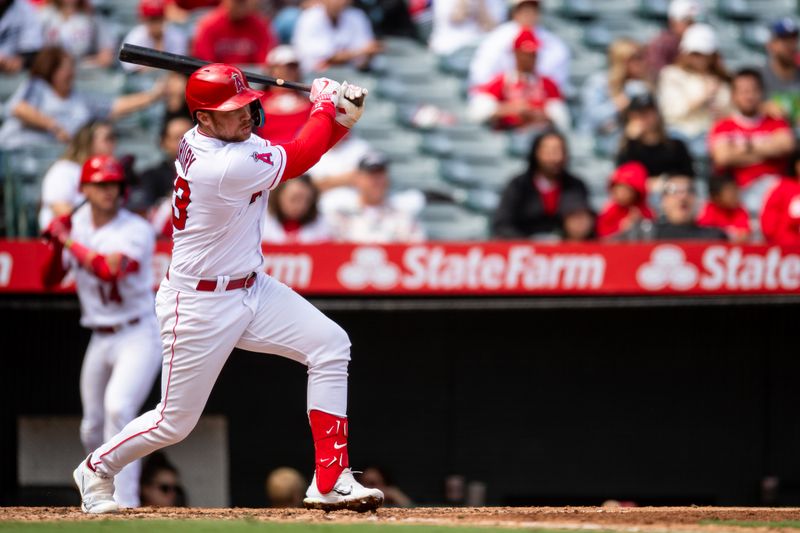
(646, 141)
(157, 182)
(533, 203)
(679, 206)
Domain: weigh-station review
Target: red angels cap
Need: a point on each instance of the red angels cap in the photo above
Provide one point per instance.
(633, 174)
(151, 8)
(526, 41)
(102, 169)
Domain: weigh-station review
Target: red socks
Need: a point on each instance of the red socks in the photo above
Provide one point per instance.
(330, 447)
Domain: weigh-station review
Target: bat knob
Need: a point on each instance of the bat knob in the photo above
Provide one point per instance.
(357, 101)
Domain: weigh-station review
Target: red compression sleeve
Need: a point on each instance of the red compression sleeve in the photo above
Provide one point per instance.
(313, 140)
(98, 263)
(54, 270)
(337, 134)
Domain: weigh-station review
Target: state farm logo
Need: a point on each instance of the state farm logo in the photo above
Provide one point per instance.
(474, 268)
(369, 266)
(667, 268)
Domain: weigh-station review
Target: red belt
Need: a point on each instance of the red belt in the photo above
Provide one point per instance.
(210, 285)
(114, 329)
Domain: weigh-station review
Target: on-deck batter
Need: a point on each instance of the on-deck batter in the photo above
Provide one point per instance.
(216, 296)
(110, 252)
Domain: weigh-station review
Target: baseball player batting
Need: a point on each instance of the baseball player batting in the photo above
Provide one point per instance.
(110, 250)
(216, 296)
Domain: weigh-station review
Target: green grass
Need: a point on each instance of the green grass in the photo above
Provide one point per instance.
(238, 526)
(795, 524)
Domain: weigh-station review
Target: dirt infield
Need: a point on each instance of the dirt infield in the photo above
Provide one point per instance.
(627, 519)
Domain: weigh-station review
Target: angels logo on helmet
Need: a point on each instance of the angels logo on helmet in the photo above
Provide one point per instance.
(237, 82)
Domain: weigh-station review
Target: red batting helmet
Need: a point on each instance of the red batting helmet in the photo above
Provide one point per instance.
(102, 169)
(220, 87)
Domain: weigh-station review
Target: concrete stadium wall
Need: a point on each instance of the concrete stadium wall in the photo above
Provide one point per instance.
(659, 405)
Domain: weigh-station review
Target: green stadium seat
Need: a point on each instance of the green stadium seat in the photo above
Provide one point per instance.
(403, 145)
(450, 222)
(487, 148)
(9, 84)
(483, 201)
(755, 36)
(581, 10)
(97, 81)
(493, 175)
(653, 10)
(458, 62)
(417, 173)
(735, 10)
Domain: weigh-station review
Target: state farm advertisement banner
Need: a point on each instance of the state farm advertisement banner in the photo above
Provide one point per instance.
(494, 268)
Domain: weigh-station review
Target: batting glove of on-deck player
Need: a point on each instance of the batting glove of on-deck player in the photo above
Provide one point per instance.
(58, 230)
(325, 90)
(348, 113)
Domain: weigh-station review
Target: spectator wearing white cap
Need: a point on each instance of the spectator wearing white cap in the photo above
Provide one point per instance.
(664, 48)
(285, 110)
(373, 218)
(694, 91)
(781, 74)
(495, 55)
(460, 23)
(154, 33)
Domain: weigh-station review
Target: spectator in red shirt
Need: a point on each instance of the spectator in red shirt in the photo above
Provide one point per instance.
(627, 204)
(724, 210)
(749, 144)
(532, 205)
(780, 218)
(285, 110)
(520, 98)
(234, 33)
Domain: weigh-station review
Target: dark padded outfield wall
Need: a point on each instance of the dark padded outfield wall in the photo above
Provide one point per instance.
(675, 404)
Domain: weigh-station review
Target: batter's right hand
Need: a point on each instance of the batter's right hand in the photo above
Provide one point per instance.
(58, 230)
(348, 113)
(325, 90)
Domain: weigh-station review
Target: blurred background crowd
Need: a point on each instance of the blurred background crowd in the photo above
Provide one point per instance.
(554, 120)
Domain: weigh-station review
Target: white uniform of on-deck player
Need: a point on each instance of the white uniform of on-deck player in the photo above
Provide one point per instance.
(120, 366)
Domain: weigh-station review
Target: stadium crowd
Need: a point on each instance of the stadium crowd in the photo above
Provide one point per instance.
(694, 149)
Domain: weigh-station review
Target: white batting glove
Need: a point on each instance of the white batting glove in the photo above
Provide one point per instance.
(348, 113)
(325, 90)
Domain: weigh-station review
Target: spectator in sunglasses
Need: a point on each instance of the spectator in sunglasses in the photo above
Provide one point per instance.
(160, 483)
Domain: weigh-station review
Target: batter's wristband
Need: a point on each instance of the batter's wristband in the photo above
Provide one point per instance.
(324, 106)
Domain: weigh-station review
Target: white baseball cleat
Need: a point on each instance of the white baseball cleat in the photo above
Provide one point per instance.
(346, 494)
(97, 491)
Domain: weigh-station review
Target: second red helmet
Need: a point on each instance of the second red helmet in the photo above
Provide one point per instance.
(102, 169)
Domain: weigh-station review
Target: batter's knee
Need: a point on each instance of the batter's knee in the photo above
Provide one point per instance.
(175, 428)
(333, 345)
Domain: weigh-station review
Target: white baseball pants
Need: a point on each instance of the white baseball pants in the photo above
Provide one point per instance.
(198, 332)
(117, 374)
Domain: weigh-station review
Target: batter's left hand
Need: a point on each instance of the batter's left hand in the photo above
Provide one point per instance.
(325, 89)
(347, 112)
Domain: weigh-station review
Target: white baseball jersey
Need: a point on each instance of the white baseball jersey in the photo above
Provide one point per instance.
(106, 303)
(219, 203)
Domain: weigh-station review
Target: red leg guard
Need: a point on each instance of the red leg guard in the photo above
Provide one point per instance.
(330, 447)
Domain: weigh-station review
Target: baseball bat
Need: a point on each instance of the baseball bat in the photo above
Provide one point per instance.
(149, 57)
